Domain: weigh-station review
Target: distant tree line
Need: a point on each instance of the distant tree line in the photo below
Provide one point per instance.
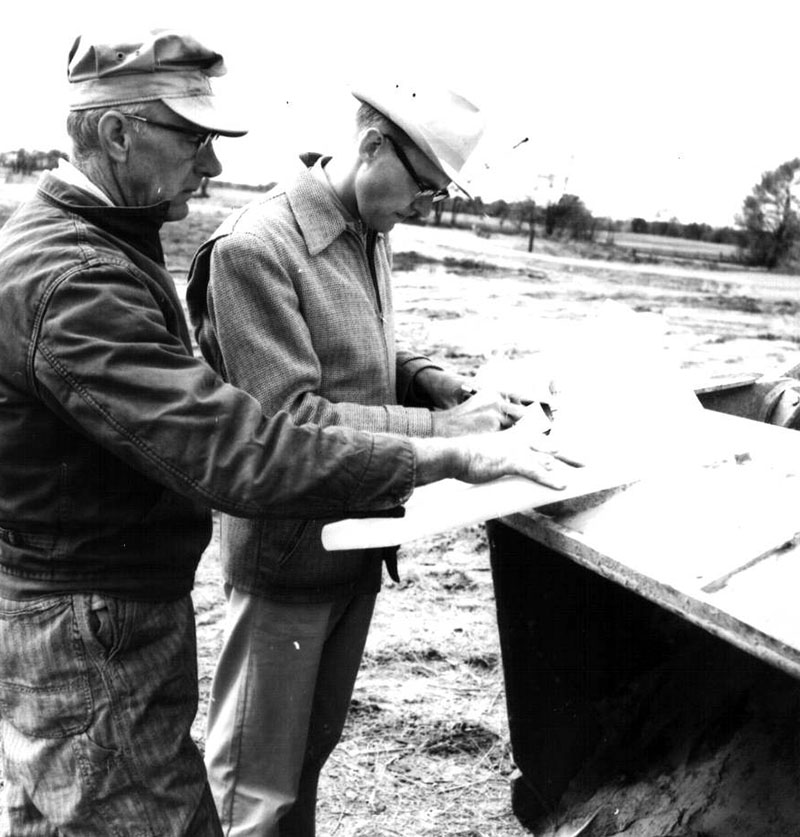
(569, 218)
(693, 231)
(24, 161)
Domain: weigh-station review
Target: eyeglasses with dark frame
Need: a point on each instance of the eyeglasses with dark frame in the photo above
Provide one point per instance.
(425, 191)
(201, 139)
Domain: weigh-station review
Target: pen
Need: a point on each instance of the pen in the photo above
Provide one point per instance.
(468, 392)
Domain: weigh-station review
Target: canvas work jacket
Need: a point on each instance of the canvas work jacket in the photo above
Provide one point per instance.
(288, 284)
(114, 439)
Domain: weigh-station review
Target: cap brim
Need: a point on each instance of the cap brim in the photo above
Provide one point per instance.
(206, 112)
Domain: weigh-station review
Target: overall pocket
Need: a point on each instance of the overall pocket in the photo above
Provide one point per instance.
(44, 681)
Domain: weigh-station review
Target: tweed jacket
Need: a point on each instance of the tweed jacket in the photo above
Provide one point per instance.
(114, 438)
(293, 303)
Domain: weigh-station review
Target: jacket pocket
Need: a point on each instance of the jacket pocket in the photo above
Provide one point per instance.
(270, 543)
(44, 681)
(41, 542)
(284, 537)
(267, 556)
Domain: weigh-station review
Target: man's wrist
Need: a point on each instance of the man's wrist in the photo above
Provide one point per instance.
(438, 459)
(419, 389)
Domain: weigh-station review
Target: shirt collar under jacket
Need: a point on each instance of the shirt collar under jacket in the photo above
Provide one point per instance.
(67, 173)
(319, 212)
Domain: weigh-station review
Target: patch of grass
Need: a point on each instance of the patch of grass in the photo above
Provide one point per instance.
(488, 661)
(454, 354)
(361, 709)
(468, 266)
(419, 777)
(462, 737)
(395, 654)
(435, 313)
(741, 303)
(768, 335)
(454, 579)
(411, 260)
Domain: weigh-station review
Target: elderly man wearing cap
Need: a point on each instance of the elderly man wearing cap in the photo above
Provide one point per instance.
(291, 301)
(115, 441)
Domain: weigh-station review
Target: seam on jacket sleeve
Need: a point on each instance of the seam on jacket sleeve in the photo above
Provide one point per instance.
(375, 469)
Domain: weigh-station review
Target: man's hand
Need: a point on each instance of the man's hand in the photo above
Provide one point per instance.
(477, 459)
(483, 412)
(442, 389)
(464, 410)
(522, 381)
(490, 457)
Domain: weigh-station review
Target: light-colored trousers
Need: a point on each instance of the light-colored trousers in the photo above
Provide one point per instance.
(279, 701)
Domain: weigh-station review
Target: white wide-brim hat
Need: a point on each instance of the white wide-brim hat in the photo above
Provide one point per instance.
(444, 125)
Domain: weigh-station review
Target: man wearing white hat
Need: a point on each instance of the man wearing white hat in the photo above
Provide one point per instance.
(115, 441)
(298, 285)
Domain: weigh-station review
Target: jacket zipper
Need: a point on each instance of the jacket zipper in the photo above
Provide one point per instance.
(371, 243)
(372, 238)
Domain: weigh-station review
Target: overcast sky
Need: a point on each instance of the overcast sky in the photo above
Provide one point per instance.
(656, 109)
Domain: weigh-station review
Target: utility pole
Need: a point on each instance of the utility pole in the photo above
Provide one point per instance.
(532, 218)
(532, 225)
(569, 170)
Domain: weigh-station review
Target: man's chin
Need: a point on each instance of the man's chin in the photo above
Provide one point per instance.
(387, 223)
(177, 211)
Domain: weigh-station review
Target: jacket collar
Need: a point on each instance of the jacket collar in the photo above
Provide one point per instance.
(316, 208)
(139, 226)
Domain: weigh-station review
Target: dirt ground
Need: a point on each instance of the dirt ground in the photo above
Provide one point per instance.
(426, 750)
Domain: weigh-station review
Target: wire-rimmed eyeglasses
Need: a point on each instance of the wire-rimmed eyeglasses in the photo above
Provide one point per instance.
(425, 191)
(201, 139)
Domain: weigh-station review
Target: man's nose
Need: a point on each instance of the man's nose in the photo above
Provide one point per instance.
(207, 163)
(422, 206)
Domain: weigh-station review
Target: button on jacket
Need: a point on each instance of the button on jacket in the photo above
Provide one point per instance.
(114, 439)
(292, 302)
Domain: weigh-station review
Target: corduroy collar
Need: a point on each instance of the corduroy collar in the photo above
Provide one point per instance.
(139, 226)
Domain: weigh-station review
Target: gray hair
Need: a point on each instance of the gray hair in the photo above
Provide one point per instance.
(82, 128)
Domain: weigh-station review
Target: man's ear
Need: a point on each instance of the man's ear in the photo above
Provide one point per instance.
(115, 135)
(370, 141)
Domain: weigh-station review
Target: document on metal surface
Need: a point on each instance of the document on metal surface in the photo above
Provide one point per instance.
(621, 407)
(450, 503)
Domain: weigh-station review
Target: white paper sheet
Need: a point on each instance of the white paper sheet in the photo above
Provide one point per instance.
(622, 406)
